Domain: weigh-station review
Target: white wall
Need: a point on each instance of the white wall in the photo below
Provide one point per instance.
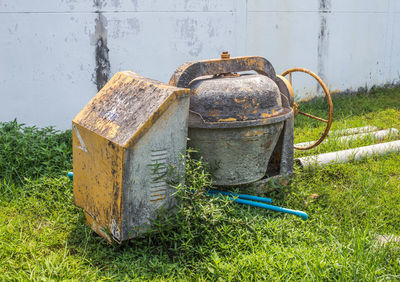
(49, 63)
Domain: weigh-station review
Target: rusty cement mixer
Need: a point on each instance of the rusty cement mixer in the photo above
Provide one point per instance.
(236, 111)
(242, 124)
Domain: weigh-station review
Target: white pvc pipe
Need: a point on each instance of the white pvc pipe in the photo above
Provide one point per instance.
(355, 130)
(348, 155)
(377, 136)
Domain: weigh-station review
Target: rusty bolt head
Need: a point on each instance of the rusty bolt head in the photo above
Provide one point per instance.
(225, 55)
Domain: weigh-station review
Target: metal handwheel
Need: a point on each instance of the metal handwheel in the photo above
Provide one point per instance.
(296, 105)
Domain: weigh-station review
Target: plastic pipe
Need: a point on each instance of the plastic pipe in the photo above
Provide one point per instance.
(242, 196)
(301, 214)
(241, 200)
(348, 155)
(377, 135)
(356, 130)
(71, 175)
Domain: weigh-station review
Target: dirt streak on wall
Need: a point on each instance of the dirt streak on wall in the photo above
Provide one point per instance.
(323, 38)
(99, 39)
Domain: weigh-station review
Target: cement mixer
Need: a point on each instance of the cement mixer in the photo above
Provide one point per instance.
(236, 111)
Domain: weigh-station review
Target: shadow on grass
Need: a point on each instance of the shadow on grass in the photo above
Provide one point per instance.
(111, 260)
(180, 243)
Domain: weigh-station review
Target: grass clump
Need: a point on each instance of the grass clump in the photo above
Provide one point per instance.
(27, 152)
(44, 236)
(197, 219)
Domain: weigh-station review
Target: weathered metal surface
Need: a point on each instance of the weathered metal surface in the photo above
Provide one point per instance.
(235, 98)
(189, 71)
(286, 90)
(97, 167)
(236, 155)
(115, 150)
(328, 100)
(195, 121)
(236, 120)
(281, 161)
(244, 151)
(129, 105)
(158, 152)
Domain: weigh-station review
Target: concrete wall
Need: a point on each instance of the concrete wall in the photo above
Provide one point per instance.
(54, 55)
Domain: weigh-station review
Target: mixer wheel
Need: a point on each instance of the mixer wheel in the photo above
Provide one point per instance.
(296, 105)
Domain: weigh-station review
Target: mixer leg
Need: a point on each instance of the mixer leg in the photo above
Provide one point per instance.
(286, 168)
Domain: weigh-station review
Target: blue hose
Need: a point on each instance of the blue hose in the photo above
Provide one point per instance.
(301, 214)
(242, 196)
(71, 175)
(249, 200)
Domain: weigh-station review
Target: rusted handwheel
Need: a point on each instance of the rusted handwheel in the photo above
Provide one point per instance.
(328, 99)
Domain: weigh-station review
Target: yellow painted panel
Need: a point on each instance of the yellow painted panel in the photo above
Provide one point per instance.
(98, 172)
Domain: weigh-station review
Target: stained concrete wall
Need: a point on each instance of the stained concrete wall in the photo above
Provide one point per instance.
(55, 55)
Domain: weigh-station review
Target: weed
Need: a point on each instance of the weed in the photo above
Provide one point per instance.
(198, 219)
(27, 152)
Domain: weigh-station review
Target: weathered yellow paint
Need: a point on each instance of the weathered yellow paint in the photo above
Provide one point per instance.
(101, 167)
(98, 164)
(239, 101)
(247, 106)
(158, 199)
(242, 117)
(97, 228)
(227, 119)
(265, 115)
(288, 84)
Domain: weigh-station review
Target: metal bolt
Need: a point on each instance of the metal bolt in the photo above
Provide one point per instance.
(225, 55)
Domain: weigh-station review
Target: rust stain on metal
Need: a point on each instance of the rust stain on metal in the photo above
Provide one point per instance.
(237, 100)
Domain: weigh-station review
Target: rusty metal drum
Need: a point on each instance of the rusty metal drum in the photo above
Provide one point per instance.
(235, 122)
(240, 118)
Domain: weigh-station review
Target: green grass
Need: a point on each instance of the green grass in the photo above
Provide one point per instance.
(27, 152)
(43, 235)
